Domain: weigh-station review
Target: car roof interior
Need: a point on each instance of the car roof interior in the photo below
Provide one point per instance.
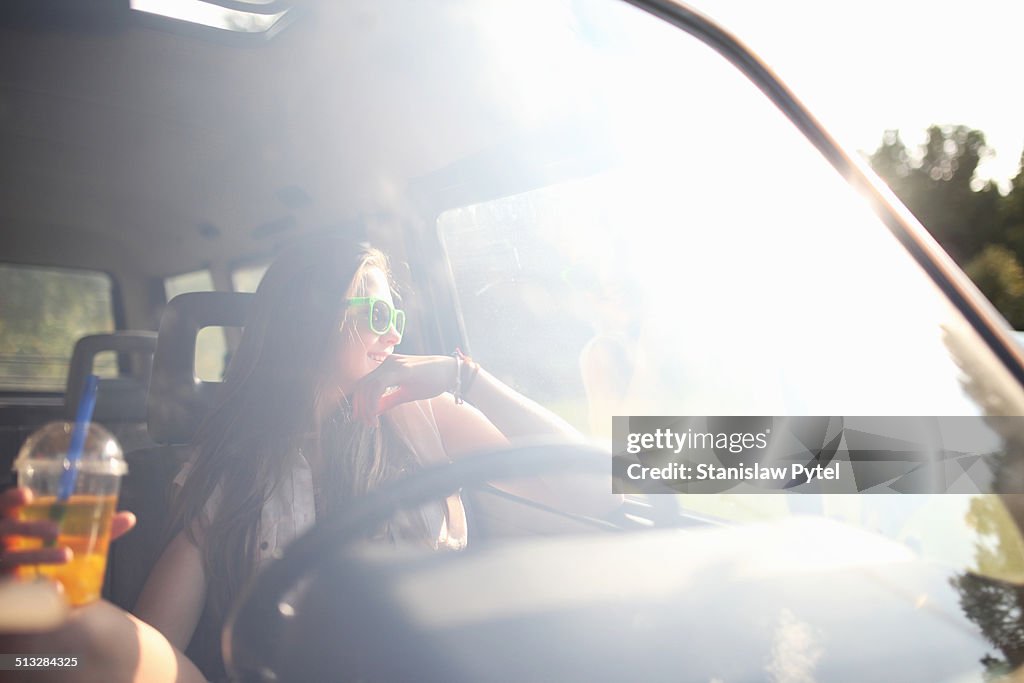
(146, 148)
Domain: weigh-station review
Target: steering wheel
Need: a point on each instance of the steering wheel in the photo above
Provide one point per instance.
(253, 631)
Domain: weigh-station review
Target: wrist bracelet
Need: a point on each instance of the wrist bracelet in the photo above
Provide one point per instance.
(462, 388)
(475, 368)
(458, 377)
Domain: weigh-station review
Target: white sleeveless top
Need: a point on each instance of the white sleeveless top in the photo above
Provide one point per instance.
(291, 508)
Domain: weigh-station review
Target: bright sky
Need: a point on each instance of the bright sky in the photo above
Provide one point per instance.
(870, 65)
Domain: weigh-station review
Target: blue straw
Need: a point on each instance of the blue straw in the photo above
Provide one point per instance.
(86, 405)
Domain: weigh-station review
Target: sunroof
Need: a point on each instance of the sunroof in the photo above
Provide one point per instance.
(211, 14)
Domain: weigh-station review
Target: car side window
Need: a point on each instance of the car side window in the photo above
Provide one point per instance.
(247, 278)
(43, 312)
(211, 343)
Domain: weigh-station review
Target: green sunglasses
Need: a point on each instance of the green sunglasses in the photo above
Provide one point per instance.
(383, 316)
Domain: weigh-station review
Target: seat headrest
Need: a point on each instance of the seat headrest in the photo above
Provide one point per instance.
(120, 399)
(178, 400)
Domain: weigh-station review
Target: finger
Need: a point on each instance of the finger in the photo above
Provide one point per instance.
(392, 399)
(42, 528)
(122, 523)
(14, 498)
(12, 559)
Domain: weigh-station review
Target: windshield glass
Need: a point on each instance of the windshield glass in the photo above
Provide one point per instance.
(707, 260)
(730, 263)
(704, 260)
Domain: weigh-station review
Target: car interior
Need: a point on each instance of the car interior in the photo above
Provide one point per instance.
(544, 177)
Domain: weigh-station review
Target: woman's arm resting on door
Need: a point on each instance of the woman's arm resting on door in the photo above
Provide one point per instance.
(466, 430)
(494, 416)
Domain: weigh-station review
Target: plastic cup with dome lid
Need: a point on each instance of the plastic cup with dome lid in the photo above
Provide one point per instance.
(74, 471)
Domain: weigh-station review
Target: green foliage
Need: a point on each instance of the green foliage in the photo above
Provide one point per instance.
(991, 594)
(999, 548)
(1011, 212)
(42, 313)
(977, 225)
(935, 184)
(998, 274)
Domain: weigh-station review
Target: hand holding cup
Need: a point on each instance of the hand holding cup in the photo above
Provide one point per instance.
(11, 501)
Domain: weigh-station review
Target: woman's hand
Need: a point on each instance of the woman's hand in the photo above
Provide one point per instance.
(10, 525)
(413, 378)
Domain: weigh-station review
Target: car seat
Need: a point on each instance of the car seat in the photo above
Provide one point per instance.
(120, 401)
(176, 405)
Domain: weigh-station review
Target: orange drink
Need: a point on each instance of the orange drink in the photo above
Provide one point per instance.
(84, 523)
(79, 494)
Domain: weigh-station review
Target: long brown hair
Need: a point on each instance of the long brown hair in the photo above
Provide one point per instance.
(271, 404)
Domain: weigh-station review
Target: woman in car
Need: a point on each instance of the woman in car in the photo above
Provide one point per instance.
(317, 409)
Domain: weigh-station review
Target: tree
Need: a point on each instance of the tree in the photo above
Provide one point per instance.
(935, 182)
(990, 593)
(42, 313)
(892, 162)
(1011, 212)
(999, 275)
